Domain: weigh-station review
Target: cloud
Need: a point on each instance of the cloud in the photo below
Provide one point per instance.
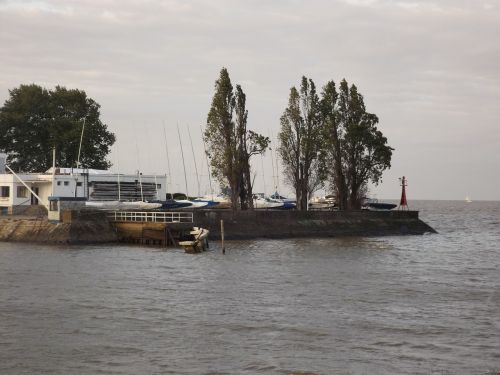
(425, 67)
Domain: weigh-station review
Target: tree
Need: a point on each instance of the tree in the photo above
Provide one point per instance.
(301, 142)
(34, 120)
(358, 150)
(333, 135)
(230, 144)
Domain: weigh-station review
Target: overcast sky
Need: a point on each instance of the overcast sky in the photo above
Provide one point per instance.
(429, 69)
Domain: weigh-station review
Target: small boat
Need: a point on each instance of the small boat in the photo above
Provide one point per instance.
(375, 205)
(467, 199)
(262, 202)
(194, 204)
(381, 206)
(288, 204)
(322, 203)
(172, 204)
(198, 243)
(118, 205)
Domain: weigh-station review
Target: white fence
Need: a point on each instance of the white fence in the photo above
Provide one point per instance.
(158, 217)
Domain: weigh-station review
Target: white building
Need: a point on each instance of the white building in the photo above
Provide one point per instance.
(94, 185)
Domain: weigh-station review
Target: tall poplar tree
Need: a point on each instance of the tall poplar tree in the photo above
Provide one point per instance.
(334, 134)
(357, 150)
(230, 144)
(301, 142)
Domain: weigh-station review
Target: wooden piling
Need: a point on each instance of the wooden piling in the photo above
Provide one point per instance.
(222, 236)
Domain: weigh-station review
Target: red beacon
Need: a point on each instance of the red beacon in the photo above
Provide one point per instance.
(403, 204)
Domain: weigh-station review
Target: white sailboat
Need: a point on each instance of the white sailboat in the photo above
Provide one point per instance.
(118, 205)
(467, 199)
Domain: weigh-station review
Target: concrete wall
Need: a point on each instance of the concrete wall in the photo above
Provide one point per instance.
(286, 224)
(83, 227)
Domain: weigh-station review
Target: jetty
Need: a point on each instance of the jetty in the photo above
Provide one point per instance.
(78, 226)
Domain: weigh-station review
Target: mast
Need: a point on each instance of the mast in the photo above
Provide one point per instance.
(139, 170)
(53, 169)
(194, 160)
(119, 190)
(272, 165)
(169, 175)
(140, 183)
(183, 163)
(277, 170)
(208, 166)
(80, 147)
(263, 176)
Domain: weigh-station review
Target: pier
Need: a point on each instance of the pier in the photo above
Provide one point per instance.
(168, 228)
(151, 227)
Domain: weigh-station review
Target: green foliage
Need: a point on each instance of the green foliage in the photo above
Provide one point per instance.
(301, 141)
(34, 120)
(357, 151)
(332, 139)
(229, 144)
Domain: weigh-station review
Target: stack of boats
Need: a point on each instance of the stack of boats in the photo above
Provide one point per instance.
(260, 201)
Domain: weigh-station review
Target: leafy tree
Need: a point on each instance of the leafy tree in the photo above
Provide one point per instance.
(301, 142)
(334, 134)
(357, 150)
(230, 143)
(34, 120)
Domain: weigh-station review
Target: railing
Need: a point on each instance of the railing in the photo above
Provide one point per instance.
(158, 217)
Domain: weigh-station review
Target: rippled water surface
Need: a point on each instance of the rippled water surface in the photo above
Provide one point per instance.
(395, 305)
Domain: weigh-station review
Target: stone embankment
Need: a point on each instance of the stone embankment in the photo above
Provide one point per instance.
(289, 224)
(93, 226)
(81, 228)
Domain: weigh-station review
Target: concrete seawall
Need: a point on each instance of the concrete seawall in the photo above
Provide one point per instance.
(83, 226)
(287, 224)
(79, 227)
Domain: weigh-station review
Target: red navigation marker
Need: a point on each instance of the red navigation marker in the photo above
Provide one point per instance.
(403, 204)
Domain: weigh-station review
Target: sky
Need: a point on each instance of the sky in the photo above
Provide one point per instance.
(430, 70)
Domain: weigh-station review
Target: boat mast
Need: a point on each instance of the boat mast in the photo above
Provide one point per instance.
(272, 165)
(208, 166)
(169, 179)
(183, 163)
(277, 170)
(80, 147)
(139, 170)
(194, 160)
(119, 191)
(53, 169)
(263, 176)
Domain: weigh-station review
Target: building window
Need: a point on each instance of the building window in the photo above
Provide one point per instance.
(4, 191)
(79, 183)
(58, 183)
(66, 183)
(22, 192)
(158, 186)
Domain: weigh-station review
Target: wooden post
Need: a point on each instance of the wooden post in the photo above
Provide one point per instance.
(222, 236)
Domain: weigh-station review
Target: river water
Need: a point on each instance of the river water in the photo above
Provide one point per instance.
(395, 305)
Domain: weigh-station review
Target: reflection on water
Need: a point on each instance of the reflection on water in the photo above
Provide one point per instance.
(393, 305)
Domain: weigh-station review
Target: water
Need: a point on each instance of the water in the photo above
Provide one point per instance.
(395, 305)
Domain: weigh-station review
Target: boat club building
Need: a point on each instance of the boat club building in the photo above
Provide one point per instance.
(89, 184)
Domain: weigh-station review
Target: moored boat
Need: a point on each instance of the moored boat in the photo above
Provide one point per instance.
(197, 243)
